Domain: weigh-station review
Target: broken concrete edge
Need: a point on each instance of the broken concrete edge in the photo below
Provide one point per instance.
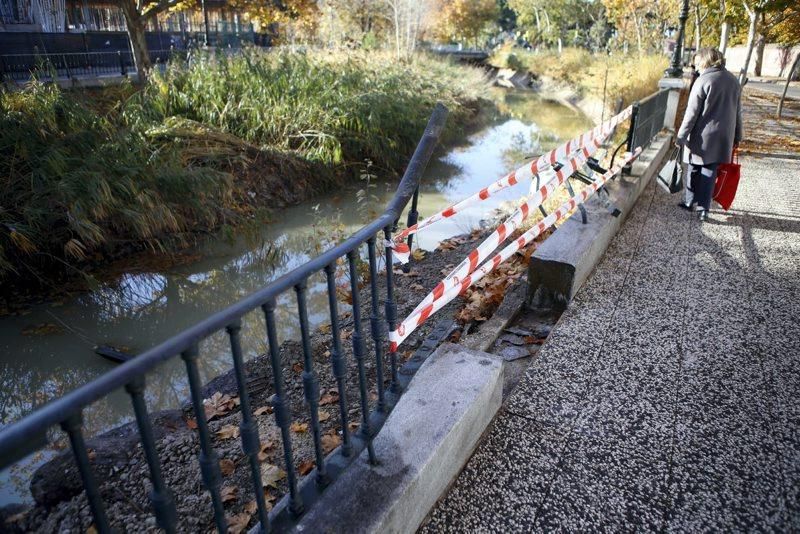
(487, 334)
(561, 265)
(424, 444)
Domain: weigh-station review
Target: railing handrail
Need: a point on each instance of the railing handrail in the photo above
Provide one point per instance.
(33, 427)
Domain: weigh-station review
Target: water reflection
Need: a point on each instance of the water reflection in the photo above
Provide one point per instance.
(146, 305)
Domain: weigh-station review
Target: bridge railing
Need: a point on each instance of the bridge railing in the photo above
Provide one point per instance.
(31, 433)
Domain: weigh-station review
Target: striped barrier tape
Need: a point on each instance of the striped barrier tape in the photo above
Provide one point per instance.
(584, 143)
(413, 321)
(498, 237)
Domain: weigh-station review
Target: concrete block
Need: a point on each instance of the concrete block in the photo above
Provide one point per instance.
(565, 260)
(426, 440)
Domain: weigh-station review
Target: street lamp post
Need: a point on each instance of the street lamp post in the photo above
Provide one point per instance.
(675, 69)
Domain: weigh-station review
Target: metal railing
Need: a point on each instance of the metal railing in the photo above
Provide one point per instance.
(31, 433)
(22, 67)
(647, 119)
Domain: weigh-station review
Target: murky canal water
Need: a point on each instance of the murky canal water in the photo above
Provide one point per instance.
(144, 306)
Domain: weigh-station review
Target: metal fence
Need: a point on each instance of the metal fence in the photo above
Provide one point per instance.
(21, 67)
(31, 433)
(647, 119)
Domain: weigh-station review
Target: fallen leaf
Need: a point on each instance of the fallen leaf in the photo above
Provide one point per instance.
(262, 452)
(300, 428)
(91, 530)
(219, 404)
(417, 287)
(251, 507)
(226, 466)
(329, 398)
(228, 493)
(262, 410)
(330, 441)
(228, 432)
(353, 425)
(91, 454)
(325, 328)
(238, 523)
(409, 274)
(418, 254)
(531, 340)
(455, 337)
(297, 367)
(447, 245)
(305, 467)
(191, 423)
(270, 475)
(323, 416)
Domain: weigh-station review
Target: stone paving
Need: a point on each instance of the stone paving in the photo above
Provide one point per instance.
(668, 395)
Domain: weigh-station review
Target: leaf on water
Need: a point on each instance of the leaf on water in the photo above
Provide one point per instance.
(265, 446)
(262, 410)
(300, 428)
(329, 398)
(42, 329)
(226, 466)
(305, 467)
(330, 441)
(228, 493)
(228, 432)
(270, 475)
(238, 523)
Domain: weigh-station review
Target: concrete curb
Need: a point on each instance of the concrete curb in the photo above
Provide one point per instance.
(427, 439)
(561, 265)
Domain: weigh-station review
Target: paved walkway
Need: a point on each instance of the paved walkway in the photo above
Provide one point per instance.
(668, 395)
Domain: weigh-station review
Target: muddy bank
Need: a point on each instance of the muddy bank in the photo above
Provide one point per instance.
(118, 460)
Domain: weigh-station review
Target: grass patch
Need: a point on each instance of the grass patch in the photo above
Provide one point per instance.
(86, 175)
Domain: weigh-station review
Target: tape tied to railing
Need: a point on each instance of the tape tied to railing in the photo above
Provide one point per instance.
(443, 296)
(582, 146)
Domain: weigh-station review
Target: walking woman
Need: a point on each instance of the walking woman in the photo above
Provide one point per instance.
(712, 124)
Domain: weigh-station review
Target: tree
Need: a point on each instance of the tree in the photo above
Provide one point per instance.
(552, 21)
(758, 9)
(137, 14)
(290, 17)
(464, 20)
(788, 80)
(644, 21)
(407, 19)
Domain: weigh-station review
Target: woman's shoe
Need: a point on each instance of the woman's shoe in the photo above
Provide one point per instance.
(687, 207)
(702, 215)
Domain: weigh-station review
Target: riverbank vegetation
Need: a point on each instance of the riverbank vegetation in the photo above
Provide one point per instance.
(87, 176)
(598, 75)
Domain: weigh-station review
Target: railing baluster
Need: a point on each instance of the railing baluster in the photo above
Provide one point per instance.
(160, 495)
(209, 462)
(377, 327)
(358, 353)
(72, 426)
(311, 383)
(251, 443)
(391, 306)
(282, 415)
(337, 358)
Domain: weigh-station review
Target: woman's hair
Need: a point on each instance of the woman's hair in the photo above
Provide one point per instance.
(706, 58)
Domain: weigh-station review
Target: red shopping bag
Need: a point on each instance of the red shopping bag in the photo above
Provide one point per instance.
(727, 181)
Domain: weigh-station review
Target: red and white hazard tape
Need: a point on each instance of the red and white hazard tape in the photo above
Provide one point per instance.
(585, 145)
(413, 321)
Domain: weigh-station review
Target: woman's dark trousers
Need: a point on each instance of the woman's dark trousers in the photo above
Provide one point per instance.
(703, 178)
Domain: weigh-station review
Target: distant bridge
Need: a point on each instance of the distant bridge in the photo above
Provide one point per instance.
(462, 54)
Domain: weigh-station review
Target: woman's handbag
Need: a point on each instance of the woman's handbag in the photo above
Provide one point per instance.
(671, 175)
(727, 182)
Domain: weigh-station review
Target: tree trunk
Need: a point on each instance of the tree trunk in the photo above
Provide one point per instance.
(136, 25)
(788, 79)
(697, 23)
(723, 38)
(751, 41)
(760, 42)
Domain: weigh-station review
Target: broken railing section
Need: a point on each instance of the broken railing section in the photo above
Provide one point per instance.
(30, 434)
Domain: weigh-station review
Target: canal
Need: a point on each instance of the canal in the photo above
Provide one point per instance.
(48, 349)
